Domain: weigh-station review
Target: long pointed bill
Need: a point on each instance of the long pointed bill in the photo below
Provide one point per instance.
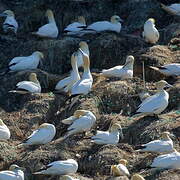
(3, 15)
(83, 53)
(168, 85)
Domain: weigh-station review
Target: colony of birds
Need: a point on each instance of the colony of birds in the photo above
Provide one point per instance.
(76, 85)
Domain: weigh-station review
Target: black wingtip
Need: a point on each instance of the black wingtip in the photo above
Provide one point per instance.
(139, 147)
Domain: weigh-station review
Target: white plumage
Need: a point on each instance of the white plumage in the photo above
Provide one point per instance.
(169, 69)
(69, 166)
(43, 135)
(66, 177)
(81, 121)
(4, 131)
(165, 144)
(108, 137)
(150, 33)
(14, 173)
(137, 177)
(49, 30)
(167, 161)
(113, 25)
(157, 103)
(76, 27)
(10, 22)
(173, 9)
(123, 72)
(67, 83)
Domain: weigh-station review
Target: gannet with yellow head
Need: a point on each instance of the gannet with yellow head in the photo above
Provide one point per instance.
(165, 144)
(10, 23)
(4, 131)
(49, 30)
(108, 137)
(123, 72)
(69, 166)
(150, 33)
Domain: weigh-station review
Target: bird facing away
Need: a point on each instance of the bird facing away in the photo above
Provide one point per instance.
(112, 25)
(108, 137)
(173, 9)
(49, 30)
(4, 131)
(150, 33)
(69, 166)
(31, 86)
(67, 83)
(123, 72)
(165, 144)
(137, 177)
(155, 104)
(76, 27)
(81, 121)
(66, 177)
(168, 69)
(120, 169)
(167, 161)
(14, 173)
(10, 23)
(43, 135)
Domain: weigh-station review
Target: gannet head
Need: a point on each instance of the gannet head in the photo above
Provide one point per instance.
(123, 161)
(115, 19)
(79, 113)
(49, 13)
(117, 127)
(162, 84)
(1, 122)
(81, 20)
(129, 61)
(39, 54)
(83, 45)
(86, 59)
(15, 167)
(137, 177)
(33, 77)
(165, 135)
(44, 126)
(7, 13)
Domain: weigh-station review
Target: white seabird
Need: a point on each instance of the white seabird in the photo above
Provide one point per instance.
(25, 62)
(31, 86)
(49, 30)
(163, 145)
(150, 33)
(173, 9)
(81, 121)
(137, 177)
(10, 22)
(67, 83)
(69, 166)
(167, 161)
(108, 137)
(76, 27)
(120, 169)
(113, 25)
(14, 173)
(43, 135)
(168, 69)
(157, 103)
(4, 131)
(123, 72)
(66, 177)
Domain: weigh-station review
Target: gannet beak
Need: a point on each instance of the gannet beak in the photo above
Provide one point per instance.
(3, 15)
(120, 20)
(172, 135)
(81, 51)
(121, 134)
(168, 85)
(41, 62)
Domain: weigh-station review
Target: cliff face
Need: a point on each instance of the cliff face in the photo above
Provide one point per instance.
(110, 100)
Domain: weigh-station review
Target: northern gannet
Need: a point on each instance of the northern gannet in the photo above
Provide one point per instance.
(150, 33)
(31, 86)
(168, 69)
(81, 121)
(67, 83)
(66, 177)
(120, 169)
(49, 30)
(163, 145)
(167, 161)
(14, 173)
(108, 137)
(137, 177)
(69, 166)
(84, 85)
(123, 72)
(76, 27)
(43, 135)
(173, 9)
(4, 131)
(25, 62)
(113, 25)
(157, 103)
(10, 22)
